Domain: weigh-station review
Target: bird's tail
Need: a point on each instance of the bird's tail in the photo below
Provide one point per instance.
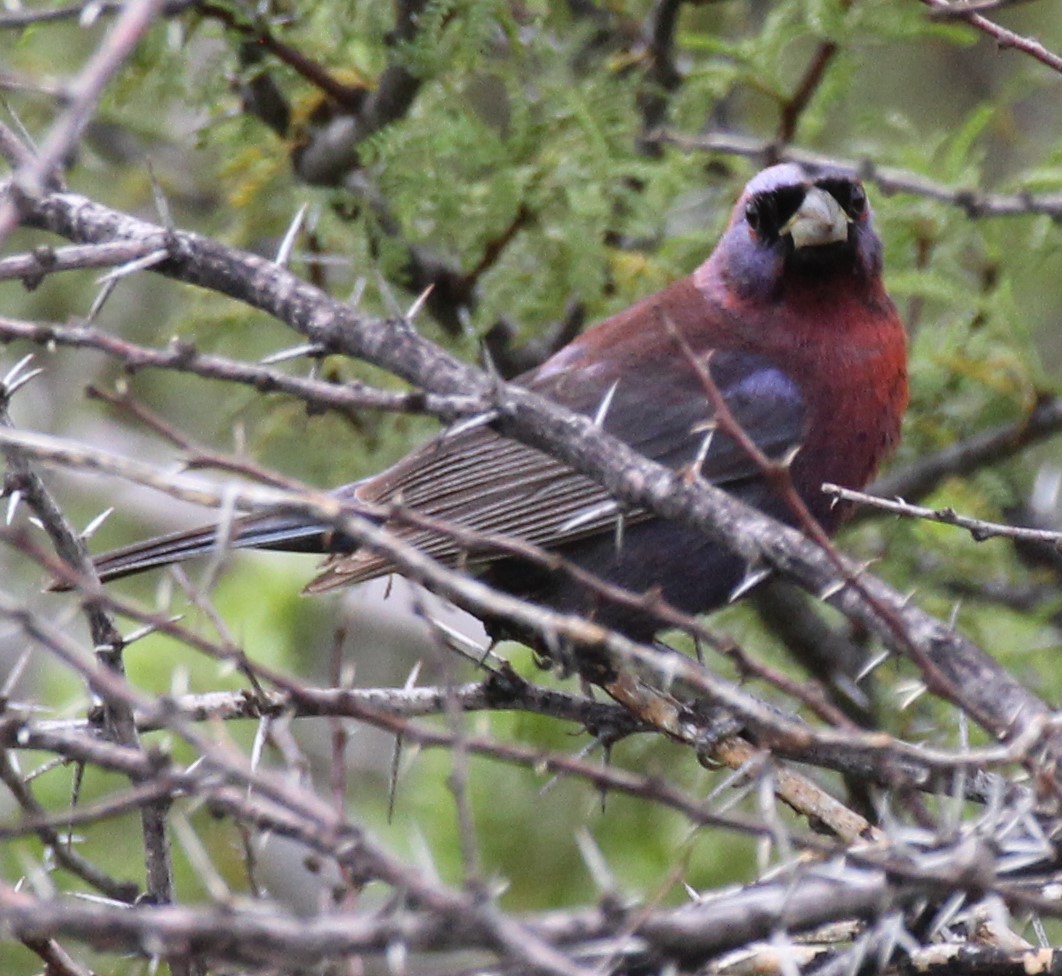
(278, 531)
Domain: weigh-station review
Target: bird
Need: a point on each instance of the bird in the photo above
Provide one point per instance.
(789, 316)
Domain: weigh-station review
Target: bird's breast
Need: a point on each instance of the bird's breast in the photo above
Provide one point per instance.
(856, 393)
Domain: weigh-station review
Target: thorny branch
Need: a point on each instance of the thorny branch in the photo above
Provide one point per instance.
(118, 718)
(973, 14)
(576, 440)
(685, 934)
(30, 180)
(975, 203)
(979, 529)
(895, 887)
(181, 356)
(394, 346)
(334, 327)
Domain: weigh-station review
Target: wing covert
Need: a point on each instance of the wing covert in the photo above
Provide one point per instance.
(483, 481)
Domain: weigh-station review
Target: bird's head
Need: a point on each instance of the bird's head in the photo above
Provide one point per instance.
(790, 225)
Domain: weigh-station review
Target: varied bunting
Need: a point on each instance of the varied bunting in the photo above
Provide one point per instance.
(805, 347)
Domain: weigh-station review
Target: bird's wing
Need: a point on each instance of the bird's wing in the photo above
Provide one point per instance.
(484, 482)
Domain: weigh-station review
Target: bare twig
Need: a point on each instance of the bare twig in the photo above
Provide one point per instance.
(49, 833)
(132, 23)
(1003, 37)
(118, 717)
(794, 106)
(979, 529)
(974, 202)
(180, 356)
(32, 268)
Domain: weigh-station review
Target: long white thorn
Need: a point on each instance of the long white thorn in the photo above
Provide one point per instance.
(91, 528)
(306, 349)
(131, 267)
(605, 405)
(12, 506)
(419, 302)
(12, 380)
(594, 860)
(579, 519)
(101, 298)
(146, 631)
(753, 577)
(11, 388)
(162, 205)
(702, 452)
(872, 665)
(832, 589)
(462, 427)
(287, 245)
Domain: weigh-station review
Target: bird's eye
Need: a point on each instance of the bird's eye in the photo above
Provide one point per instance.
(857, 200)
(753, 214)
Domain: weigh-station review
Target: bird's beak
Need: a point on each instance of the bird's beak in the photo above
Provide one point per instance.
(819, 220)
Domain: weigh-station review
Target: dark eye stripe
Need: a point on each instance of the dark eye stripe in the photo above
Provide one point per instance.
(849, 194)
(768, 211)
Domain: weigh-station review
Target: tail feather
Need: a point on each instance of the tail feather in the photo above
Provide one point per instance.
(279, 532)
